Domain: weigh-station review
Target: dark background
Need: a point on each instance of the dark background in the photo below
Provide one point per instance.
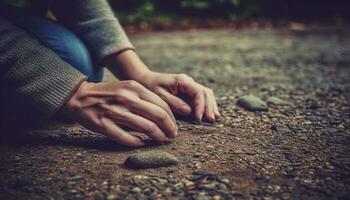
(135, 11)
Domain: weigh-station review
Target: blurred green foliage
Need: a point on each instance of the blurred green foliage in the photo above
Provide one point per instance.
(134, 11)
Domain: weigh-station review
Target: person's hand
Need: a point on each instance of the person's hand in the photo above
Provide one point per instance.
(108, 108)
(183, 94)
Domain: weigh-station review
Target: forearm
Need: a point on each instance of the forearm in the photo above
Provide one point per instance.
(126, 65)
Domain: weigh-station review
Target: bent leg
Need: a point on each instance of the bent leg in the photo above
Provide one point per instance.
(64, 43)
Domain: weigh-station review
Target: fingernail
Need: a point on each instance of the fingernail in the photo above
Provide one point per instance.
(141, 143)
(167, 139)
(212, 116)
(170, 137)
(185, 108)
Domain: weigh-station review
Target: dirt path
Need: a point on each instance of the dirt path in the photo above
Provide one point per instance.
(295, 151)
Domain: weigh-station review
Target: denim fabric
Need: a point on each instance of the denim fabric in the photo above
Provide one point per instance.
(64, 43)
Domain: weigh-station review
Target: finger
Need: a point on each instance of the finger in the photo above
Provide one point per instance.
(176, 103)
(209, 107)
(194, 90)
(138, 123)
(111, 130)
(157, 115)
(216, 109)
(151, 97)
(199, 105)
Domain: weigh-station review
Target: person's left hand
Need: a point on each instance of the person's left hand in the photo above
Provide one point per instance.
(183, 94)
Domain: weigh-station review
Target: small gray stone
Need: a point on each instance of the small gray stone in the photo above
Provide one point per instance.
(276, 101)
(150, 159)
(280, 128)
(136, 190)
(252, 103)
(112, 197)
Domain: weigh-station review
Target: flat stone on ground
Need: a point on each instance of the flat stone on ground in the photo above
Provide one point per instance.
(252, 103)
(150, 159)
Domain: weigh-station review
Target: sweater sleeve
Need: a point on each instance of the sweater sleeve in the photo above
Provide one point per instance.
(34, 72)
(94, 22)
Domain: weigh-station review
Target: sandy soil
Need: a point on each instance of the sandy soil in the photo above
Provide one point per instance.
(240, 157)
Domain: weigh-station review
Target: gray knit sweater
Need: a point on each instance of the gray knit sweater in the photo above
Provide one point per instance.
(36, 73)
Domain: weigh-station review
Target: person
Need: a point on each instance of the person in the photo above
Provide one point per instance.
(56, 66)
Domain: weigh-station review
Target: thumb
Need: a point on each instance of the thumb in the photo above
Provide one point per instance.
(176, 104)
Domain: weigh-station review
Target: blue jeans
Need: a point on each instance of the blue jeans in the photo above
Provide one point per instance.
(64, 43)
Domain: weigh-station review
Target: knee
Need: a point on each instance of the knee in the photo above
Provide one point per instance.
(77, 55)
(74, 52)
(64, 43)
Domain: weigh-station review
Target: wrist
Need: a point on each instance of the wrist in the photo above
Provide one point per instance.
(73, 102)
(127, 66)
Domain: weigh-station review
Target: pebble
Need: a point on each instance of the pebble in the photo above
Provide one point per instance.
(280, 128)
(136, 190)
(252, 103)
(150, 159)
(188, 183)
(197, 155)
(112, 197)
(314, 105)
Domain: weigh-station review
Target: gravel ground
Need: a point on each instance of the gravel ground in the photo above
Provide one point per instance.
(298, 150)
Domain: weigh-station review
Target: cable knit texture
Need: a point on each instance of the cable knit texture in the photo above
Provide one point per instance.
(36, 73)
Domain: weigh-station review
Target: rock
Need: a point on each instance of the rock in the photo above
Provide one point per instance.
(225, 180)
(280, 128)
(197, 155)
(294, 127)
(188, 183)
(75, 178)
(112, 197)
(136, 190)
(305, 182)
(202, 196)
(276, 101)
(313, 105)
(150, 159)
(252, 103)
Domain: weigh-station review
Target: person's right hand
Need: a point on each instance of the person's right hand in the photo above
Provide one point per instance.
(107, 108)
